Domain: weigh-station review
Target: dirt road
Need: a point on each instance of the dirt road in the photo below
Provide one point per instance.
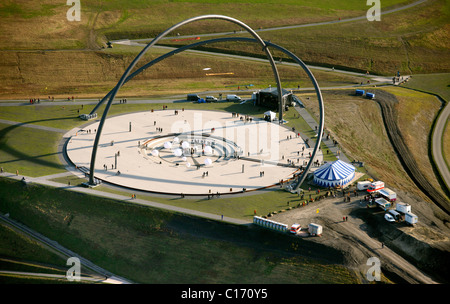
(387, 103)
(353, 236)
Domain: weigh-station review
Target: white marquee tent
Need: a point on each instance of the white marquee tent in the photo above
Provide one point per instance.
(337, 173)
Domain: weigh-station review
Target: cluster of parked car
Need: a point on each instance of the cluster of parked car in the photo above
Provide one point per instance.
(210, 98)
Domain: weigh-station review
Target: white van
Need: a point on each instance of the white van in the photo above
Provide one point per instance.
(210, 99)
(295, 228)
(233, 98)
(395, 214)
(363, 185)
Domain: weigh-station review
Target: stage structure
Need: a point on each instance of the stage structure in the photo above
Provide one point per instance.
(265, 44)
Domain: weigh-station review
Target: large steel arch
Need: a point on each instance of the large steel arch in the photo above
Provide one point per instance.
(152, 43)
(302, 177)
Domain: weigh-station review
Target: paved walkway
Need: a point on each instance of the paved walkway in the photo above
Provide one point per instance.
(33, 126)
(45, 180)
(328, 142)
(438, 141)
(108, 277)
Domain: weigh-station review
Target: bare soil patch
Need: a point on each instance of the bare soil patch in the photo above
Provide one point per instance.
(413, 254)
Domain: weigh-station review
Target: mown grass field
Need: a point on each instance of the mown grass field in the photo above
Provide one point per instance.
(94, 74)
(412, 42)
(29, 151)
(142, 19)
(435, 84)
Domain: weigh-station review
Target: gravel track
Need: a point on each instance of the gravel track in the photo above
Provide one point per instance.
(387, 103)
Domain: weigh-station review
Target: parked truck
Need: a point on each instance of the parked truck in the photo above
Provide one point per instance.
(295, 228)
(363, 185)
(411, 218)
(314, 229)
(403, 207)
(375, 186)
(388, 194)
(382, 203)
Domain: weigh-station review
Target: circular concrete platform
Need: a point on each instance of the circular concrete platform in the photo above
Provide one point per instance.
(190, 152)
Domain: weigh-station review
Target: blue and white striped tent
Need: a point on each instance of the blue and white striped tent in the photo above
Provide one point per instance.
(337, 173)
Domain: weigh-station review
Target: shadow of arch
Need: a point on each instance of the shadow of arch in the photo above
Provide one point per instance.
(23, 156)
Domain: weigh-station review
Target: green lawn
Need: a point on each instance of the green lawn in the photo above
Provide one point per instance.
(32, 152)
(20, 253)
(412, 41)
(242, 207)
(432, 83)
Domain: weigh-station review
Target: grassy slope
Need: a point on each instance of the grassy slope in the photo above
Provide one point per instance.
(101, 230)
(446, 146)
(43, 24)
(358, 126)
(13, 244)
(93, 74)
(436, 84)
(412, 41)
(269, 14)
(417, 112)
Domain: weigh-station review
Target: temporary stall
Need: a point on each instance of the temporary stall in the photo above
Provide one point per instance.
(337, 173)
(269, 98)
(270, 116)
(262, 222)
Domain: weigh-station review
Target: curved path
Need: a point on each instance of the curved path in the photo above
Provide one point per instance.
(107, 277)
(383, 12)
(437, 143)
(387, 103)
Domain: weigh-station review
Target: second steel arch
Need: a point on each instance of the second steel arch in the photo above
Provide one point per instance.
(127, 76)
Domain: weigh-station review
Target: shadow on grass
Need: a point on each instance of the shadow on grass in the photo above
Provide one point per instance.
(21, 155)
